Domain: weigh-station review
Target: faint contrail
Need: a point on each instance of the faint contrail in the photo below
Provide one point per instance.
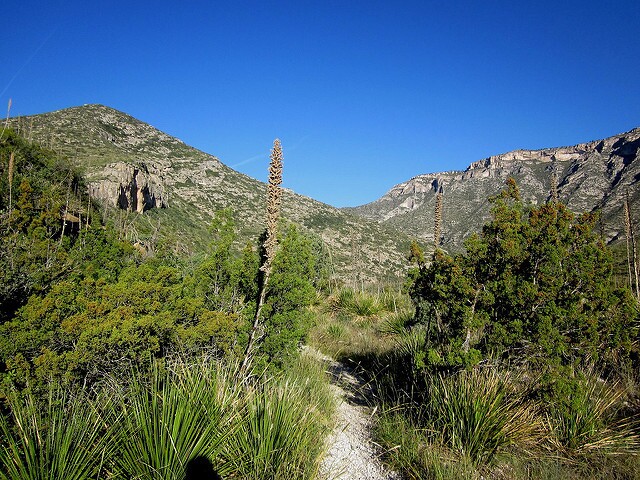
(27, 62)
(266, 154)
(250, 159)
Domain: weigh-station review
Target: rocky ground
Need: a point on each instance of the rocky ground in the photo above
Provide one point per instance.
(351, 452)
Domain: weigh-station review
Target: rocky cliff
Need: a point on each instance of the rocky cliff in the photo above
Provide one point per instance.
(589, 176)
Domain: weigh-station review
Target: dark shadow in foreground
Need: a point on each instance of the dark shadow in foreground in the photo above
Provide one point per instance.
(201, 468)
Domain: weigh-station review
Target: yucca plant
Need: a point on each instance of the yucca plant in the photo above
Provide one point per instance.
(355, 303)
(366, 305)
(343, 300)
(478, 413)
(281, 433)
(396, 323)
(270, 245)
(589, 420)
(67, 438)
(169, 419)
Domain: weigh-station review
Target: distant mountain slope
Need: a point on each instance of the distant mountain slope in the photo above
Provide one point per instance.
(590, 176)
(175, 190)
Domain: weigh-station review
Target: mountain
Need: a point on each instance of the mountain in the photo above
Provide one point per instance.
(590, 176)
(160, 190)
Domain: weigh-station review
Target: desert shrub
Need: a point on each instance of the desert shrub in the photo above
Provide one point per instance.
(88, 329)
(535, 286)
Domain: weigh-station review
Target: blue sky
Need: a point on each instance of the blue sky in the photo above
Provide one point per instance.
(363, 95)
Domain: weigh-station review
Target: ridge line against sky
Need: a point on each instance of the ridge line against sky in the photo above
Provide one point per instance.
(363, 95)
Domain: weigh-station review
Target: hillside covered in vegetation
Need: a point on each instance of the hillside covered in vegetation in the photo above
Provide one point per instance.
(514, 358)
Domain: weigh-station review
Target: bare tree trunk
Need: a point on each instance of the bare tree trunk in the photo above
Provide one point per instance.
(64, 216)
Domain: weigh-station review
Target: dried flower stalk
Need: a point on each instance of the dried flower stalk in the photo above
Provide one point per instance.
(632, 254)
(274, 202)
(11, 165)
(437, 222)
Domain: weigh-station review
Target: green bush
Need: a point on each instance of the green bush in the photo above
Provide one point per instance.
(536, 286)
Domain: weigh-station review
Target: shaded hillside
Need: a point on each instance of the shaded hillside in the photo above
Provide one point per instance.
(171, 191)
(590, 176)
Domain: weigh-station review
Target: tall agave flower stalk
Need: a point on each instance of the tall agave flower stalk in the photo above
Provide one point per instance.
(11, 165)
(632, 255)
(553, 193)
(437, 223)
(274, 201)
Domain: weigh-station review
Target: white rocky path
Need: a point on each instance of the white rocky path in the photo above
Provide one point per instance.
(351, 452)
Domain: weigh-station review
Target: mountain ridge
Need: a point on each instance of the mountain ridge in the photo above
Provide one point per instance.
(592, 175)
(134, 168)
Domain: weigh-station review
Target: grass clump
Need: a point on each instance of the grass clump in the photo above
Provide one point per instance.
(479, 413)
(586, 417)
(413, 450)
(64, 438)
(284, 422)
(158, 424)
(351, 302)
(351, 324)
(170, 418)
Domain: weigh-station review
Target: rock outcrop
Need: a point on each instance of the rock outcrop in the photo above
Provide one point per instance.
(130, 187)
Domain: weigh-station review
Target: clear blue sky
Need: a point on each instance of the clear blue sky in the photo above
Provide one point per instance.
(363, 95)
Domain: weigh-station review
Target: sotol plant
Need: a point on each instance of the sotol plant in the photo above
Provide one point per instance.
(437, 223)
(274, 201)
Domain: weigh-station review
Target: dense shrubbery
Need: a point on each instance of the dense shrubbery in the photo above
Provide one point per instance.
(77, 303)
(89, 325)
(47, 228)
(520, 359)
(535, 287)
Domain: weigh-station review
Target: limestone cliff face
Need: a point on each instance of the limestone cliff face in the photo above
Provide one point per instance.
(590, 176)
(130, 187)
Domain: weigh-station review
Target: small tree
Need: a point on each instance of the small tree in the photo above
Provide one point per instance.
(290, 291)
(536, 285)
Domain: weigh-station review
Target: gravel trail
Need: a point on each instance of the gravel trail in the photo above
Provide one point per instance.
(351, 453)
